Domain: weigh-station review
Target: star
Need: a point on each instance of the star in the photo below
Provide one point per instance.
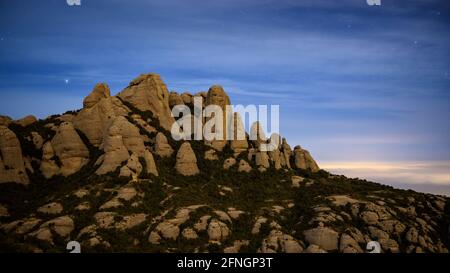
(66, 81)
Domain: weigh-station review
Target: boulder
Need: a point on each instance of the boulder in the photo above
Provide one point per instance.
(244, 166)
(296, 180)
(150, 163)
(275, 157)
(303, 160)
(216, 96)
(228, 163)
(324, 237)
(239, 142)
(175, 99)
(186, 161)
(12, 166)
(202, 223)
(62, 226)
(186, 97)
(314, 249)
(149, 93)
(262, 160)
(189, 233)
(277, 241)
(48, 167)
(257, 135)
(121, 139)
(168, 230)
(37, 139)
(412, 235)
(133, 167)
(51, 208)
(115, 151)
(130, 135)
(211, 155)
(70, 149)
(131, 221)
(349, 245)
(258, 223)
(94, 121)
(286, 153)
(162, 147)
(369, 217)
(100, 91)
(217, 231)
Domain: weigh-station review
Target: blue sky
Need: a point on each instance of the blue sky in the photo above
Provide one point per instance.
(354, 82)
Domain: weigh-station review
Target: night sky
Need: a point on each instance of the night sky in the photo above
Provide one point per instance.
(365, 88)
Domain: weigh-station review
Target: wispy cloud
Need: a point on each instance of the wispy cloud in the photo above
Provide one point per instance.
(397, 174)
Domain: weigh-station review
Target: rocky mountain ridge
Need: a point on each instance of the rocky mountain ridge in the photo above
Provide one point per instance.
(111, 177)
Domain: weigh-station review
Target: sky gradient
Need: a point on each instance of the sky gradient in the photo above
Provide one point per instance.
(355, 83)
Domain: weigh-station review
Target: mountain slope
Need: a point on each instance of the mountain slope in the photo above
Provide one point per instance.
(111, 177)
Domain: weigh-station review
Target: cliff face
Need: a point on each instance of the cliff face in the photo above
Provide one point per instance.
(111, 177)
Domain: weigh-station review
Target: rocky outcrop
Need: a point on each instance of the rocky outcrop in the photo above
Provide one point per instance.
(93, 121)
(162, 147)
(286, 153)
(186, 97)
(37, 140)
(186, 161)
(217, 96)
(211, 155)
(149, 93)
(228, 163)
(100, 91)
(257, 135)
(131, 136)
(121, 139)
(239, 142)
(262, 161)
(12, 166)
(244, 166)
(218, 231)
(175, 99)
(28, 120)
(303, 160)
(277, 241)
(133, 167)
(150, 163)
(48, 167)
(275, 157)
(5, 121)
(323, 237)
(70, 149)
(51, 208)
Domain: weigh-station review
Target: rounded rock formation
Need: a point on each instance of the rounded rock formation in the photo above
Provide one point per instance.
(100, 91)
(186, 161)
(149, 93)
